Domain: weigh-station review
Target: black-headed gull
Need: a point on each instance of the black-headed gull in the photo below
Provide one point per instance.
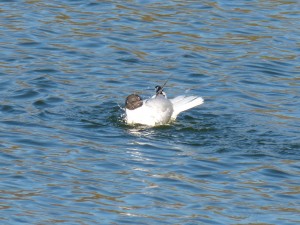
(157, 110)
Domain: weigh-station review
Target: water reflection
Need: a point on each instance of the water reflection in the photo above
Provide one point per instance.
(141, 131)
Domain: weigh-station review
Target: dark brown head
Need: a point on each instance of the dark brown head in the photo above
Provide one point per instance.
(133, 101)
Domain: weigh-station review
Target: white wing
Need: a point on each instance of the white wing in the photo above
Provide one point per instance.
(182, 103)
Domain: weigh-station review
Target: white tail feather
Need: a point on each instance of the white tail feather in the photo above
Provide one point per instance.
(182, 103)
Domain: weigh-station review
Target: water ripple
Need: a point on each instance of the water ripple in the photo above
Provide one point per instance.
(68, 156)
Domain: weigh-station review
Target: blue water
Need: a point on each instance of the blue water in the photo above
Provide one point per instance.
(66, 155)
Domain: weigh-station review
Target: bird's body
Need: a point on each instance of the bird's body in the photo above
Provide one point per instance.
(157, 110)
(154, 111)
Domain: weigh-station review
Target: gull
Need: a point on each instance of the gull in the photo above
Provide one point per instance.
(157, 110)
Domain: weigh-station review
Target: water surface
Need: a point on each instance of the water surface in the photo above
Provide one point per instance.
(68, 158)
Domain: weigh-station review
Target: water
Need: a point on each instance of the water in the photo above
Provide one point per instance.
(68, 158)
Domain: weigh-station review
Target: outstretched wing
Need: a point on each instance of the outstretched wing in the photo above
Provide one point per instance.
(182, 103)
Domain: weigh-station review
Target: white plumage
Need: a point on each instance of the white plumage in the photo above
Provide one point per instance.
(182, 103)
(158, 110)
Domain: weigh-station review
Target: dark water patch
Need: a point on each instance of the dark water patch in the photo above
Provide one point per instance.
(40, 104)
(6, 108)
(51, 48)
(44, 81)
(71, 52)
(253, 155)
(128, 60)
(199, 75)
(47, 103)
(290, 147)
(275, 173)
(271, 72)
(25, 94)
(8, 157)
(44, 71)
(29, 43)
(257, 83)
(113, 81)
(9, 110)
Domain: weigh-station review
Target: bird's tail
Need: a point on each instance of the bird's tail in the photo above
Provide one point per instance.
(182, 103)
